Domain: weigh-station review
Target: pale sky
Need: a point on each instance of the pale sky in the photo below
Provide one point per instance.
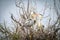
(8, 6)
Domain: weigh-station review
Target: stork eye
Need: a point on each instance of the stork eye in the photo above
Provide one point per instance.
(29, 19)
(34, 21)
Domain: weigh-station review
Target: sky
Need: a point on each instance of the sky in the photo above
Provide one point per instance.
(8, 6)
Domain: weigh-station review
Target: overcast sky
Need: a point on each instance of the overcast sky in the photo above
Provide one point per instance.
(8, 6)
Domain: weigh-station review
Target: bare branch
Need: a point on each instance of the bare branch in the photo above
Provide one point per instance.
(15, 20)
(28, 7)
(45, 8)
(20, 5)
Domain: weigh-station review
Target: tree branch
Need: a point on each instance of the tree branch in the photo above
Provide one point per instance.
(15, 20)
